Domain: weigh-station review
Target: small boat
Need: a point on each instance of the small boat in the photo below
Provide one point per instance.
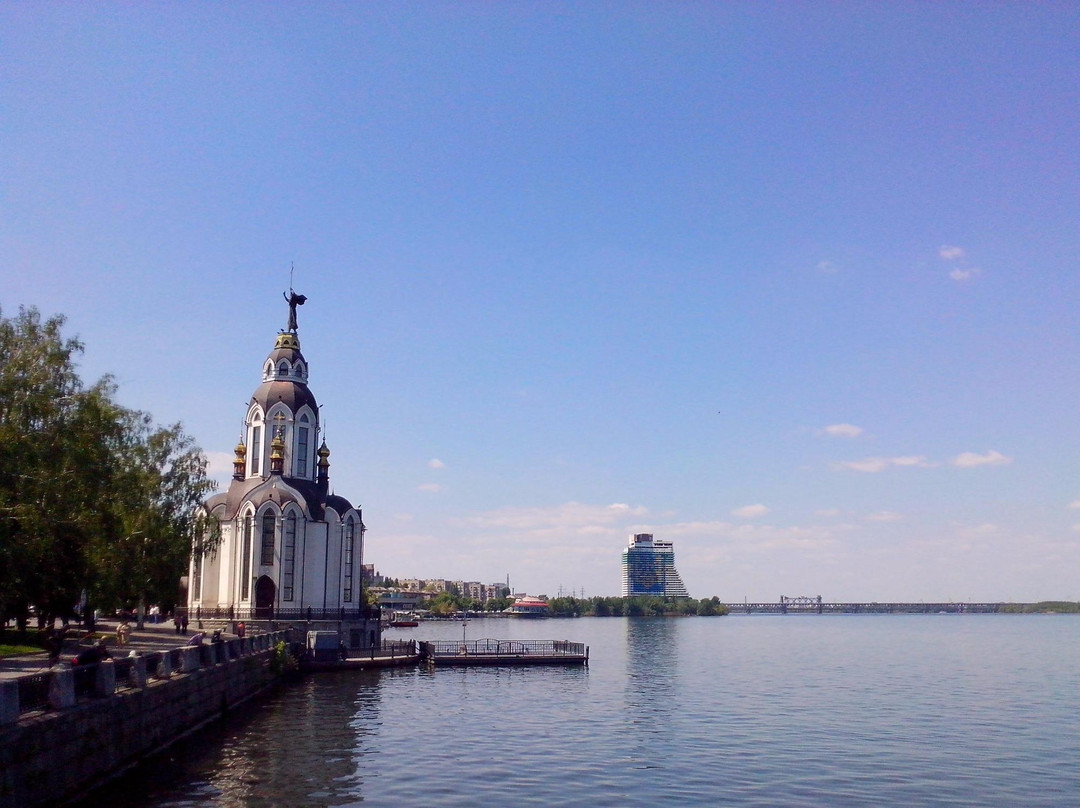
(404, 620)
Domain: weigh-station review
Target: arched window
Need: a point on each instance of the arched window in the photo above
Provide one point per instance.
(298, 370)
(302, 447)
(268, 370)
(288, 556)
(267, 556)
(245, 558)
(283, 368)
(350, 539)
(256, 449)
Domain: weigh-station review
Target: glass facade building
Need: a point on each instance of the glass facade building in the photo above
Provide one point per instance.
(648, 568)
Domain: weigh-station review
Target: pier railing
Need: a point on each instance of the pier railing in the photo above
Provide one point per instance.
(389, 648)
(489, 647)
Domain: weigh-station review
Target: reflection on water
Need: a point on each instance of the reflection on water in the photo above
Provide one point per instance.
(298, 748)
(327, 722)
(649, 693)
(741, 712)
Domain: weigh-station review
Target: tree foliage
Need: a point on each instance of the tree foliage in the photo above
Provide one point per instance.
(641, 606)
(97, 504)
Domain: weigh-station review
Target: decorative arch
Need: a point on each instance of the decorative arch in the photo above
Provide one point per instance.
(265, 591)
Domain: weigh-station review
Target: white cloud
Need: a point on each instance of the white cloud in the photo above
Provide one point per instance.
(843, 430)
(968, 460)
(884, 516)
(871, 465)
(748, 537)
(827, 512)
(430, 487)
(827, 268)
(951, 253)
(1074, 504)
(961, 275)
(962, 271)
(911, 460)
(435, 463)
(572, 517)
(750, 511)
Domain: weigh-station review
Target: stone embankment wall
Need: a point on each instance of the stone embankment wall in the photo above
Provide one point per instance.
(57, 755)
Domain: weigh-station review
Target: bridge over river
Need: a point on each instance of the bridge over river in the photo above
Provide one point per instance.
(815, 605)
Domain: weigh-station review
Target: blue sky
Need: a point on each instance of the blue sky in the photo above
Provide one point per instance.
(792, 285)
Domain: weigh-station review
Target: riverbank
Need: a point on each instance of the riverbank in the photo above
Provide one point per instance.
(99, 720)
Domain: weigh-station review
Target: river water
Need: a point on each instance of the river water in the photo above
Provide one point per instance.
(797, 710)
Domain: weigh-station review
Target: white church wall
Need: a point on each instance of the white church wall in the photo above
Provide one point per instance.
(314, 564)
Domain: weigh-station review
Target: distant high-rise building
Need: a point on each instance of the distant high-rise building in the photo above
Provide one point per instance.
(648, 568)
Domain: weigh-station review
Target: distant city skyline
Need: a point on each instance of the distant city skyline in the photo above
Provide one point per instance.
(794, 287)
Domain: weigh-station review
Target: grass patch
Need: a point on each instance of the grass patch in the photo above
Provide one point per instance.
(18, 650)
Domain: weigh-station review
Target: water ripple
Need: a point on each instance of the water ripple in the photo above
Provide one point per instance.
(741, 712)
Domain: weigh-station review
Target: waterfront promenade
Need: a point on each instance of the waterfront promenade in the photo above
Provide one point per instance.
(153, 637)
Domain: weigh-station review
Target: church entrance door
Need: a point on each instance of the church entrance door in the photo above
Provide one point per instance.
(264, 598)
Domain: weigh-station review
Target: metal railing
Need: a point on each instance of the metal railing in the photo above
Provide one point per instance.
(283, 614)
(33, 689)
(34, 692)
(488, 647)
(388, 648)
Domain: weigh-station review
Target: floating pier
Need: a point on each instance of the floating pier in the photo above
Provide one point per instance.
(504, 652)
(324, 652)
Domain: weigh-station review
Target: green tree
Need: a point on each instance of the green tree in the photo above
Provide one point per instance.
(49, 453)
(94, 500)
(497, 604)
(159, 484)
(444, 604)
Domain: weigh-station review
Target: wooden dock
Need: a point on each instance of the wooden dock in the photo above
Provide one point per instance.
(504, 652)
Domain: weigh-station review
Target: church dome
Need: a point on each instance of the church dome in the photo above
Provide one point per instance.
(292, 395)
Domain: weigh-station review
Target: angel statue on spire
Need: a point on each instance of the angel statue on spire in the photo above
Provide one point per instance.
(294, 300)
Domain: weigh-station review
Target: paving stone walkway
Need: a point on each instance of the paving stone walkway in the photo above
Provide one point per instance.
(152, 637)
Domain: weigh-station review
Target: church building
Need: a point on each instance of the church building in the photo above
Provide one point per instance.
(290, 549)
